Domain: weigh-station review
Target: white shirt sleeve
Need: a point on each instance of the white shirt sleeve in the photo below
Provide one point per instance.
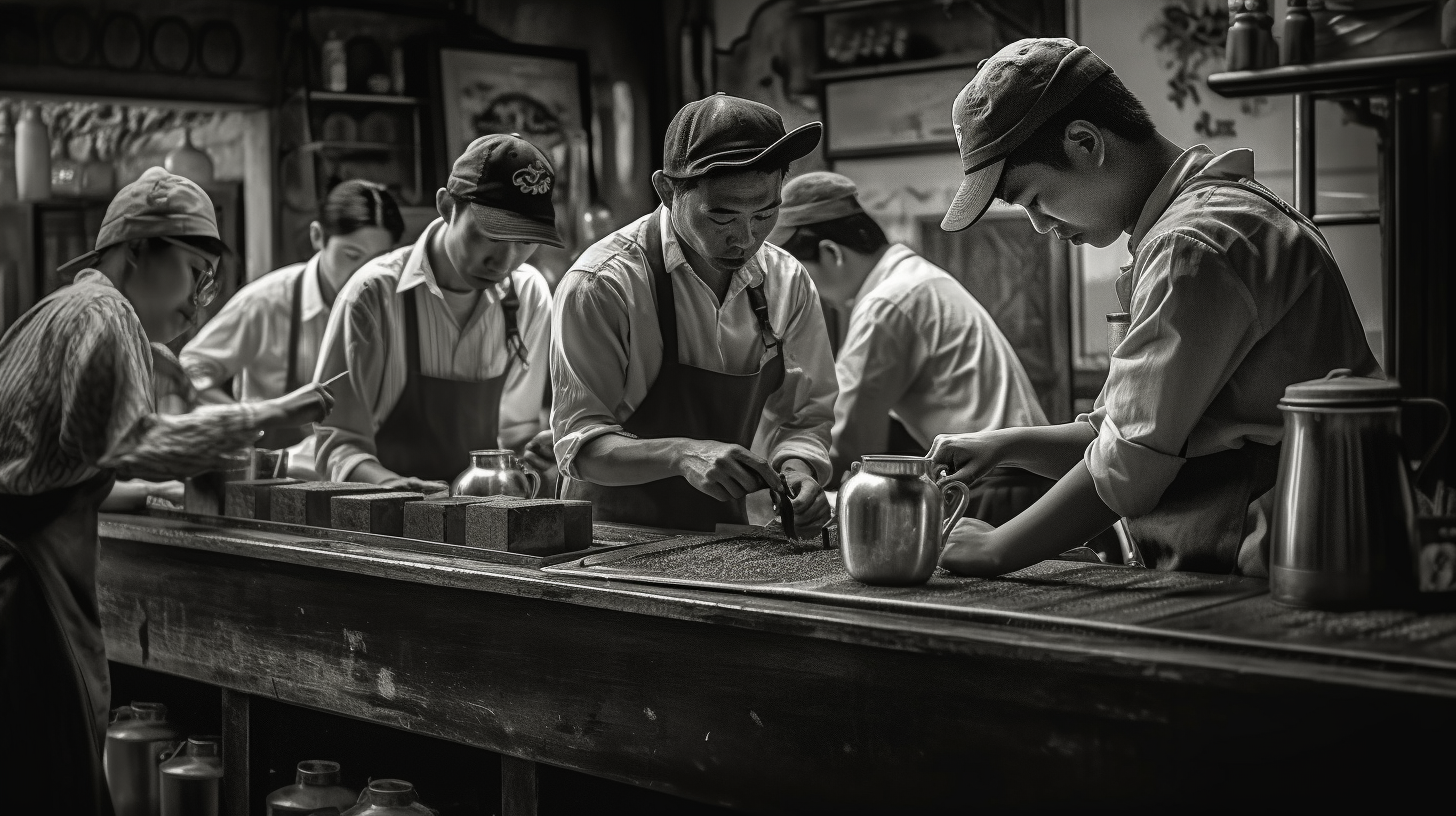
(588, 362)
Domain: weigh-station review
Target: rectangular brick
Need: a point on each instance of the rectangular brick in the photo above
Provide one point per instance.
(308, 502)
(576, 524)
(440, 520)
(529, 527)
(378, 513)
(250, 499)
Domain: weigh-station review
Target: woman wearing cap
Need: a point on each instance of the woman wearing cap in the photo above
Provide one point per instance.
(692, 366)
(1226, 281)
(446, 341)
(78, 409)
(266, 339)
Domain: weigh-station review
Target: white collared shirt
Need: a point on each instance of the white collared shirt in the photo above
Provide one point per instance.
(609, 350)
(1231, 300)
(366, 336)
(922, 348)
(247, 341)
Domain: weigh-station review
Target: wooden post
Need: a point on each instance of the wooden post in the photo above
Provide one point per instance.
(235, 750)
(518, 786)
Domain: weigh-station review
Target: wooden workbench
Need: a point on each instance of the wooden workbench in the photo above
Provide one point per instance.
(781, 704)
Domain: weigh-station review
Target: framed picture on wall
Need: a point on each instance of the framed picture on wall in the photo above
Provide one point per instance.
(886, 115)
(541, 94)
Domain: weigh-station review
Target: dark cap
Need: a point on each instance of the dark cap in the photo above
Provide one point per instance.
(157, 204)
(814, 198)
(1012, 94)
(508, 183)
(726, 132)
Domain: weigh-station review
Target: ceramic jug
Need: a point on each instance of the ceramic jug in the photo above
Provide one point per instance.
(496, 473)
(893, 520)
(136, 740)
(1343, 533)
(316, 790)
(389, 797)
(192, 779)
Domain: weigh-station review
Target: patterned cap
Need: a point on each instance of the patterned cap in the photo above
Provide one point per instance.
(508, 183)
(1012, 94)
(155, 205)
(726, 132)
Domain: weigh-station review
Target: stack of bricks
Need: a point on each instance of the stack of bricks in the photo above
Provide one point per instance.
(378, 513)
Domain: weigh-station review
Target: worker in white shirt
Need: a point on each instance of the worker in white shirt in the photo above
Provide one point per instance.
(692, 366)
(266, 339)
(445, 341)
(919, 347)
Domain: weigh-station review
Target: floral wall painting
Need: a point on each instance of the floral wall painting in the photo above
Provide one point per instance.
(1190, 38)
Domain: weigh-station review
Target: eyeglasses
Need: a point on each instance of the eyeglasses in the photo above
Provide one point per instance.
(205, 289)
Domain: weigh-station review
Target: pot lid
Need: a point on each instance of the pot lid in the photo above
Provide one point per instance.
(1342, 387)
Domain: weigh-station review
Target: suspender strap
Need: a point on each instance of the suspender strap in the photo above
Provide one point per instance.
(295, 317)
(510, 310)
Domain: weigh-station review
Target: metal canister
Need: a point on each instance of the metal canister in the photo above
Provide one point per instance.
(192, 779)
(316, 790)
(1117, 325)
(389, 797)
(136, 740)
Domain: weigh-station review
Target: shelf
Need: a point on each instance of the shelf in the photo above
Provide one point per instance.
(1352, 77)
(1346, 219)
(832, 6)
(355, 147)
(361, 98)
(892, 68)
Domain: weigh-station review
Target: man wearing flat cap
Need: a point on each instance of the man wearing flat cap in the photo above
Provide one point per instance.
(1233, 295)
(919, 347)
(445, 342)
(692, 367)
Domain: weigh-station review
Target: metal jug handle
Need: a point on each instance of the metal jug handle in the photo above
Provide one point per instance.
(963, 502)
(1445, 414)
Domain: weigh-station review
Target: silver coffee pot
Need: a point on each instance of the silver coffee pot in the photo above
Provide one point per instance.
(1343, 532)
(496, 473)
(893, 520)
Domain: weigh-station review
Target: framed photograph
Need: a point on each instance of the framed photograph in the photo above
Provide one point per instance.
(886, 115)
(541, 94)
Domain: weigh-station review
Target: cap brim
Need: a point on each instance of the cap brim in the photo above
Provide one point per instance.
(504, 225)
(72, 267)
(780, 234)
(973, 198)
(792, 146)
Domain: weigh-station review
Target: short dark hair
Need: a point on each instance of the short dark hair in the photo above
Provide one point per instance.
(1106, 103)
(355, 204)
(856, 231)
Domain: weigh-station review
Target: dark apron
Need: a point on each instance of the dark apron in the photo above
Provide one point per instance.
(54, 683)
(690, 402)
(437, 421)
(1003, 493)
(1202, 520)
(275, 438)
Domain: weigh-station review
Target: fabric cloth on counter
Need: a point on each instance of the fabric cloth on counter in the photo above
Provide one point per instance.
(609, 348)
(1232, 298)
(366, 336)
(77, 389)
(921, 348)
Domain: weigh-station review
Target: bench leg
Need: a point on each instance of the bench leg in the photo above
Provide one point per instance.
(518, 787)
(235, 705)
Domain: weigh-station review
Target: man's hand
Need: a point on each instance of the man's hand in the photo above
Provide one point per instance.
(967, 456)
(310, 403)
(974, 549)
(414, 485)
(540, 452)
(722, 470)
(811, 506)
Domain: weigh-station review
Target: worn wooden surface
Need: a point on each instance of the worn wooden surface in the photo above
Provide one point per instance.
(776, 704)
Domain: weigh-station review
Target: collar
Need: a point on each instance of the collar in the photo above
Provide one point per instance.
(89, 275)
(881, 270)
(416, 269)
(750, 274)
(313, 294)
(1188, 164)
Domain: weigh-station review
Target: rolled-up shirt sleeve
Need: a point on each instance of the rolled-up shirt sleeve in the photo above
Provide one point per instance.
(798, 417)
(520, 408)
(1193, 321)
(589, 355)
(356, 341)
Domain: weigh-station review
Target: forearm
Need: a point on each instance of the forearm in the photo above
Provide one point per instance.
(371, 472)
(214, 396)
(1046, 450)
(168, 446)
(615, 460)
(1068, 516)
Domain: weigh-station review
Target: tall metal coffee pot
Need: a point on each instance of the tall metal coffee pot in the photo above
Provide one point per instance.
(192, 779)
(1343, 534)
(136, 739)
(316, 790)
(893, 521)
(496, 473)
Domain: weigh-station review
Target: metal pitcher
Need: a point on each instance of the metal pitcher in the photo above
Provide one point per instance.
(316, 790)
(496, 473)
(893, 521)
(136, 739)
(192, 779)
(1343, 532)
(389, 797)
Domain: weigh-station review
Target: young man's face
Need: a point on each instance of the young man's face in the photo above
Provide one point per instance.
(482, 261)
(726, 219)
(162, 286)
(1083, 202)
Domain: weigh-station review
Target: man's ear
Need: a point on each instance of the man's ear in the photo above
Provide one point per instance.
(663, 186)
(830, 254)
(445, 204)
(316, 236)
(1085, 144)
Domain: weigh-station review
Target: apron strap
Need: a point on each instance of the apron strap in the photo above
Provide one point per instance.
(411, 334)
(295, 317)
(662, 286)
(510, 309)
